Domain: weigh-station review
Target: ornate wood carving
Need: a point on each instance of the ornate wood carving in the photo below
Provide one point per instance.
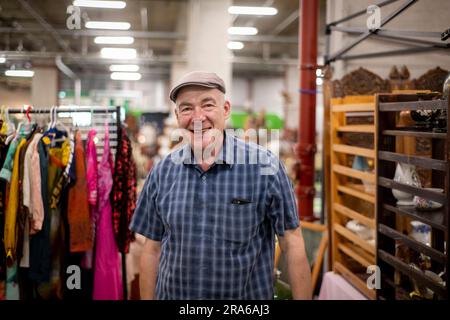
(432, 80)
(360, 82)
(399, 79)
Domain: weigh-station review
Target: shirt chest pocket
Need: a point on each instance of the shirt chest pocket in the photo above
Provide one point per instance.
(238, 220)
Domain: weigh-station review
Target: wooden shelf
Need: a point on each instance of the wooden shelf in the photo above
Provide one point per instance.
(417, 275)
(353, 107)
(356, 191)
(349, 172)
(412, 243)
(349, 213)
(423, 162)
(391, 184)
(346, 246)
(361, 256)
(413, 105)
(436, 219)
(399, 290)
(355, 280)
(417, 134)
(391, 222)
(349, 235)
(356, 151)
(362, 128)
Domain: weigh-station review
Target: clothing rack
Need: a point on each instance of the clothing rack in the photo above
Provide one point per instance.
(114, 122)
(97, 121)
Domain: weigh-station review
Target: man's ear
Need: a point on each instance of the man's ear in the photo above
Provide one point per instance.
(175, 110)
(227, 109)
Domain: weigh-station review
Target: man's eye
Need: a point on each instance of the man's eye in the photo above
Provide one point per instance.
(185, 110)
(209, 105)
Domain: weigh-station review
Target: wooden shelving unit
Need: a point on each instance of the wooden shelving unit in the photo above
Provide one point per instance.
(398, 277)
(350, 198)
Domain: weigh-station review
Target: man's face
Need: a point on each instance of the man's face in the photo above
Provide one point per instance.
(203, 112)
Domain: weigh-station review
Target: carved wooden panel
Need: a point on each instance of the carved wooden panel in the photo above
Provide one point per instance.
(360, 82)
(432, 80)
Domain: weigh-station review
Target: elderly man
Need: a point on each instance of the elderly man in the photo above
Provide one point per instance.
(210, 215)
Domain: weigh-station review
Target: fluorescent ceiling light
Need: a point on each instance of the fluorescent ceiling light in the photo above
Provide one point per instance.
(235, 45)
(124, 68)
(114, 40)
(243, 31)
(109, 25)
(2, 60)
(126, 76)
(100, 4)
(19, 73)
(260, 11)
(118, 53)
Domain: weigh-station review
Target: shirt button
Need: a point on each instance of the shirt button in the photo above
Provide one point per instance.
(203, 178)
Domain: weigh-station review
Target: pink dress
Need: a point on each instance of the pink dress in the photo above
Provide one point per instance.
(92, 182)
(107, 273)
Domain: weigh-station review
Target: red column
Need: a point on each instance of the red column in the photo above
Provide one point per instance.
(306, 147)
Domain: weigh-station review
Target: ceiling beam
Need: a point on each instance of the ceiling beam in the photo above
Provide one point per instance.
(154, 60)
(109, 33)
(163, 35)
(285, 23)
(55, 35)
(88, 58)
(266, 38)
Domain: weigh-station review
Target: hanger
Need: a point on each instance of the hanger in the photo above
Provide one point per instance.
(11, 125)
(54, 117)
(50, 123)
(57, 122)
(27, 113)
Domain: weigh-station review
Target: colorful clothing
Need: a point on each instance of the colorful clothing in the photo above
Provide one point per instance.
(10, 237)
(58, 159)
(11, 210)
(40, 251)
(92, 173)
(107, 275)
(78, 207)
(8, 164)
(124, 192)
(92, 182)
(3, 196)
(36, 201)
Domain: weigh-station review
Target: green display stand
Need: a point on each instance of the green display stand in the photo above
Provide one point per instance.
(273, 121)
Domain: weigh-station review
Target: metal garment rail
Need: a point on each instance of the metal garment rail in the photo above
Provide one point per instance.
(114, 126)
(92, 110)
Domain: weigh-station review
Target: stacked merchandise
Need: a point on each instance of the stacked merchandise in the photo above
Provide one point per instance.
(63, 214)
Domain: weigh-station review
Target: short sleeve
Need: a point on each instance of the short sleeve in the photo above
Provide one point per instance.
(282, 207)
(146, 219)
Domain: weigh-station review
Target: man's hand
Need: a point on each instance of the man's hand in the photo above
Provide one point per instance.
(299, 272)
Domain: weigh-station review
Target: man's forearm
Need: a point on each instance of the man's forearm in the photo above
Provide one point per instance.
(148, 274)
(299, 271)
(299, 276)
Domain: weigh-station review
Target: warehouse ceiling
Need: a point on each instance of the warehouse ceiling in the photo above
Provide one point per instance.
(36, 31)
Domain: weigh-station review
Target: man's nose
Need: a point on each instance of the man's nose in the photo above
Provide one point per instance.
(198, 114)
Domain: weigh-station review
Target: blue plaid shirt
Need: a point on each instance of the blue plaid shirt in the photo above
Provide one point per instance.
(217, 228)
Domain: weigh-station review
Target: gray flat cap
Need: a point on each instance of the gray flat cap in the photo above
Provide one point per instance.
(197, 78)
